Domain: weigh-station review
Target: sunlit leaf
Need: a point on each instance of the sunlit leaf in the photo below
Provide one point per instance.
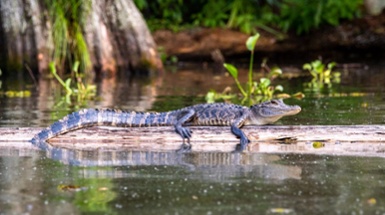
(265, 82)
(318, 145)
(331, 65)
(210, 96)
(306, 66)
(75, 67)
(275, 71)
(279, 88)
(52, 67)
(252, 41)
(298, 95)
(231, 69)
(68, 83)
(282, 96)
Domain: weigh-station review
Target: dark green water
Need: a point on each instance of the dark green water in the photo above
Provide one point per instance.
(62, 181)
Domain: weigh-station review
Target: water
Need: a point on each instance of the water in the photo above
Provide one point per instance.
(204, 183)
(65, 181)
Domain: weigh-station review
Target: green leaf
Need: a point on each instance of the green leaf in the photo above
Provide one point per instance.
(331, 65)
(306, 66)
(68, 83)
(52, 67)
(232, 70)
(275, 71)
(210, 96)
(265, 82)
(75, 67)
(279, 88)
(252, 41)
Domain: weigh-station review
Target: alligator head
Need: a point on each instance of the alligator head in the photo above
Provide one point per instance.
(270, 111)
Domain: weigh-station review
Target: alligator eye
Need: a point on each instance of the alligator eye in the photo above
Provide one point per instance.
(274, 102)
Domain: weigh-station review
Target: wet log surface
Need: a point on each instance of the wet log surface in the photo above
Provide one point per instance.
(365, 140)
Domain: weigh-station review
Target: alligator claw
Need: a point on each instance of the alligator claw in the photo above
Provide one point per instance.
(185, 148)
(184, 132)
(242, 145)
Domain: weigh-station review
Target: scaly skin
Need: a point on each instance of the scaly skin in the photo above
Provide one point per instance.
(217, 114)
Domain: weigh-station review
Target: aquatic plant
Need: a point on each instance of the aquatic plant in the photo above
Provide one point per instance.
(322, 76)
(255, 91)
(70, 49)
(13, 93)
(78, 92)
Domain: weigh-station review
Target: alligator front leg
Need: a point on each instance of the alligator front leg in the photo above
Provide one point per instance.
(243, 138)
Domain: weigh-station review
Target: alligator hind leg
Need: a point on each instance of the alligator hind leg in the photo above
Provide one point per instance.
(184, 132)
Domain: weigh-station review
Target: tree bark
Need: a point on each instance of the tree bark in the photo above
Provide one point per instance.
(115, 32)
(118, 37)
(24, 39)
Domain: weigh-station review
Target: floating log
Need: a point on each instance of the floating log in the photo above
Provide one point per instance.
(354, 139)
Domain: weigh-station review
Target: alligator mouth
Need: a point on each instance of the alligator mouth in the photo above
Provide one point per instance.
(293, 110)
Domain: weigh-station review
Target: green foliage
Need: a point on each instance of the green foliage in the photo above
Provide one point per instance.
(256, 91)
(304, 15)
(67, 18)
(76, 90)
(212, 14)
(322, 76)
(247, 15)
(70, 48)
(162, 13)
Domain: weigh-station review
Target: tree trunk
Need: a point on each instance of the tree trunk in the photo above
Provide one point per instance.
(24, 39)
(115, 32)
(118, 36)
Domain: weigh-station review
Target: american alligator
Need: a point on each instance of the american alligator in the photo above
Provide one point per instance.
(217, 114)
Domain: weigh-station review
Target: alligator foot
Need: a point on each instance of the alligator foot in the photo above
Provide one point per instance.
(242, 146)
(185, 148)
(183, 132)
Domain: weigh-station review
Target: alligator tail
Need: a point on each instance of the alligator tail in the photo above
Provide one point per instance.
(91, 117)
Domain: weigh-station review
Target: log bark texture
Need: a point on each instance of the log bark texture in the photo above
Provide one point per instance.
(347, 140)
(115, 31)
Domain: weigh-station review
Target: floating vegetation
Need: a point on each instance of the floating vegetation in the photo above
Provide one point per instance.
(16, 93)
(13, 93)
(323, 77)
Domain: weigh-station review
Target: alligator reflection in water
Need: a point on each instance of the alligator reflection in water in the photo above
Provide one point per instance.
(212, 166)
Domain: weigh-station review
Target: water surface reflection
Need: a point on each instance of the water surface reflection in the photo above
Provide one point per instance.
(68, 181)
